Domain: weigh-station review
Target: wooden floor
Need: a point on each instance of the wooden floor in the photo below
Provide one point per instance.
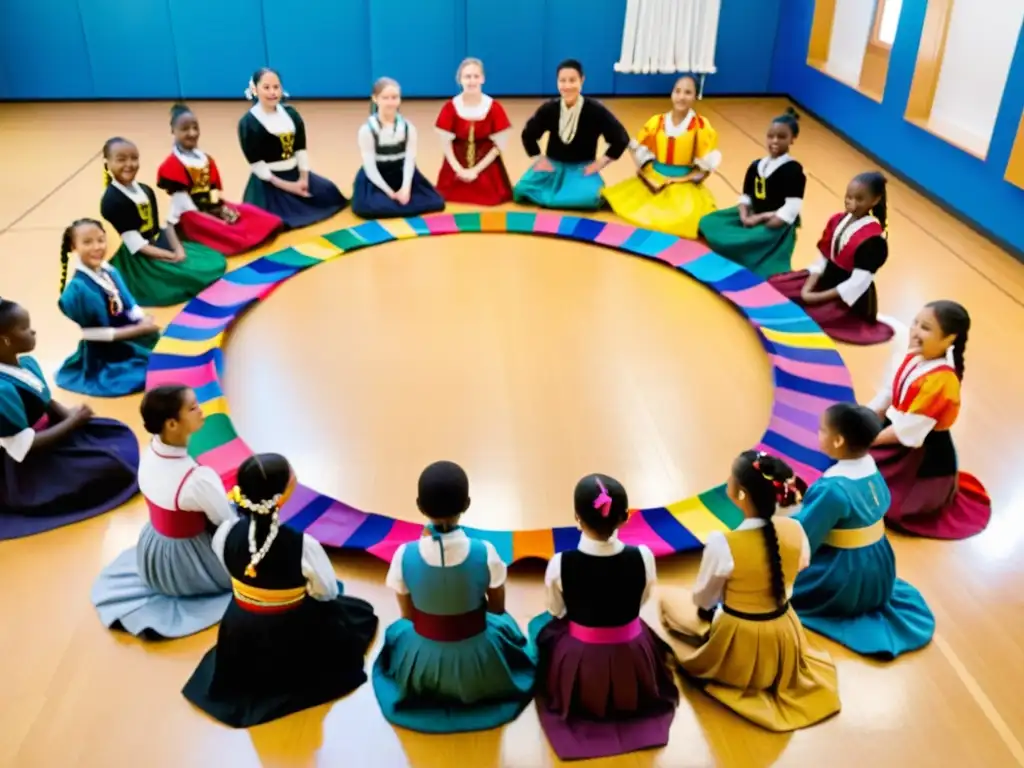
(532, 368)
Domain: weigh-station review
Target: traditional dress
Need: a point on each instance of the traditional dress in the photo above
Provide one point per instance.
(605, 686)
(90, 472)
(850, 592)
(274, 144)
(755, 657)
(453, 666)
(852, 251)
(772, 184)
(289, 639)
(389, 164)
(572, 146)
(472, 133)
(99, 303)
(664, 151)
(171, 584)
(191, 178)
(930, 496)
(133, 212)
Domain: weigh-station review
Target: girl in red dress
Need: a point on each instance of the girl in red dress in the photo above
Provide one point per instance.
(474, 129)
(191, 178)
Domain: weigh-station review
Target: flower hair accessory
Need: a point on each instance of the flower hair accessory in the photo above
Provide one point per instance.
(250, 90)
(268, 507)
(257, 508)
(603, 501)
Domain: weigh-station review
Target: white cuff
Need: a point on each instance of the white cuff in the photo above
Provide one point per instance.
(18, 446)
(445, 135)
(710, 161)
(136, 313)
(745, 200)
(181, 203)
(910, 428)
(642, 155)
(134, 240)
(882, 399)
(855, 286)
(818, 267)
(501, 138)
(302, 158)
(98, 334)
(260, 170)
(790, 209)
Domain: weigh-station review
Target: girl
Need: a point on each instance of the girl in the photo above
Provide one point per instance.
(455, 661)
(289, 640)
(475, 131)
(57, 465)
(850, 592)
(674, 153)
(760, 231)
(754, 657)
(568, 175)
(117, 337)
(171, 584)
(389, 185)
(273, 139)
(838, 291)
(191, 178)
(604, 685)
(915, 453)
(157, 268)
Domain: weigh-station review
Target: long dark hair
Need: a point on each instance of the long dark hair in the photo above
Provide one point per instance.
(67, 245)
(953, 319)
(771, 483)
(877, 185)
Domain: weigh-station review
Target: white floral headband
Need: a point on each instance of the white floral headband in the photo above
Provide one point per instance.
(261, 508)
(250, 91)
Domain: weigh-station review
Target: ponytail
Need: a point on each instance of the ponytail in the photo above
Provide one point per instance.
(954, 320)
(66, 246)
(877, 184)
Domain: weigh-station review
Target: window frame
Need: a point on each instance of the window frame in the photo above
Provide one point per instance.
(876, 26)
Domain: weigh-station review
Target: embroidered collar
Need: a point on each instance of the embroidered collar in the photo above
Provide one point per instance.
(194, 158)
(135, 192)
(472, 113)
(277, 122)
(769, 165)
(853, 469)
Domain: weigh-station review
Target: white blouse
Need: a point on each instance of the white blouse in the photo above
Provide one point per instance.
(133, 239)
(399, 131)
(18, 446)
(103, 279)
(857, 284)
(479, 112)
(766, 166)
(162, 468)
(642, 155)
(456, 549)
(911, 428)
(277, 123)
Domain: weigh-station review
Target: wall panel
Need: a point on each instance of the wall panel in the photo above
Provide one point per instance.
(42, 47)
(512, 68)
(418, 43)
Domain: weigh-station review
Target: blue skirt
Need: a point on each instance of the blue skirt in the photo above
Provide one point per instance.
(107, 368)
(852, 596)
(296, 212)
(565, 187)
(370, 202)
(92, 471)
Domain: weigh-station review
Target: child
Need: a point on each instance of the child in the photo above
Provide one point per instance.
(838, 291)
(475, 131)
(191, 178)
(755, 657)
(289, 640)
(117, 337)
(157, 268)
(850, 592)
(389, 185)
(915, 453)
(568, 175)
(273, 139)
(455, 661)
(57, 465)
(171, 584)
(674, 153)
(759, 233)
(604, 685)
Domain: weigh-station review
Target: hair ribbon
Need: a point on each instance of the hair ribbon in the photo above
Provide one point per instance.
(603, 501)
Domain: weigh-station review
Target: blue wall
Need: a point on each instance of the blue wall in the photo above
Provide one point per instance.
(160, 49)
(972, 187)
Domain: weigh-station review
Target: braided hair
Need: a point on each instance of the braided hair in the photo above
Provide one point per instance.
(791, 119)
(601, 504)
(262, 481)
(953, 319)
(67, 245)
(877, 185)
(108, 147)
(771, 483)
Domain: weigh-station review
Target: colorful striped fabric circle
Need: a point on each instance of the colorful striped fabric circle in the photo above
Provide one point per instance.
(808, 373)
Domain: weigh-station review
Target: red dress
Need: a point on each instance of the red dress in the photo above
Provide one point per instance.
(193, 181)
(474, 131)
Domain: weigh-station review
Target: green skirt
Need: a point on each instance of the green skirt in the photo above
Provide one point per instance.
(760, 249)
(156, 283)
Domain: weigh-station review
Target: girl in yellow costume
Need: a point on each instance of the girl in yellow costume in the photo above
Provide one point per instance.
(753, 654)
(674, 153)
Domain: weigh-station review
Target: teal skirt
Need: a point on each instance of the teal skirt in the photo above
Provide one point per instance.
(156, 283)
(566, 187)
(761, 249)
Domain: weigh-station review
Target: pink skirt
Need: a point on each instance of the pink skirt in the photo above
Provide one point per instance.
(253, 228)
(836, 318)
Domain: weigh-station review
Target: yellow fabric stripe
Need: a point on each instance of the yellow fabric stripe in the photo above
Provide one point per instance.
(800, 340)
(215, 406)
(399, 228)
(187, 348)
(318, 249)
(856, 538)
(696, 518)
(258, 596)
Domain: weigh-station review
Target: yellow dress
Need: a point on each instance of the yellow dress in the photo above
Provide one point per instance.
(664, 151)
(764, 669)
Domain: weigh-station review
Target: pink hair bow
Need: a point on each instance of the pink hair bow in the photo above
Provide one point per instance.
(603, 501)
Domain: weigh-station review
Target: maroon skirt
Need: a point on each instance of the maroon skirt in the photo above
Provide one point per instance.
(836, 318)
(253, 228)
(930, 496)
(598, 699)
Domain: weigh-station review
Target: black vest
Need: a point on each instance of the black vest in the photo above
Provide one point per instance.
(280, 569)
(603, 591)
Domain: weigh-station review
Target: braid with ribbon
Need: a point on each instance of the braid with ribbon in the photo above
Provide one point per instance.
(258, 510)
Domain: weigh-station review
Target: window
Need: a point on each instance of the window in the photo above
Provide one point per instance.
(887, 19)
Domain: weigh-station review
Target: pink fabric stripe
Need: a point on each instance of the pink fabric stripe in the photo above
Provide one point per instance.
(189, 320)
(807, 473)
(226, 458)
(803, 401)
(194, 377)
(547, 223)
(614, 234)
(401, 532)
(337, 524)
(441, 224)
(225, 294)
(760, 295)
(794, 432)
(637, 531)
(300, 497)
(683, 252)
(606, 635)
(826, 374)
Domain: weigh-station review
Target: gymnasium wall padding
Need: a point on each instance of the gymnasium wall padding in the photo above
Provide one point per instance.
(971, 187)
(191, 49)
